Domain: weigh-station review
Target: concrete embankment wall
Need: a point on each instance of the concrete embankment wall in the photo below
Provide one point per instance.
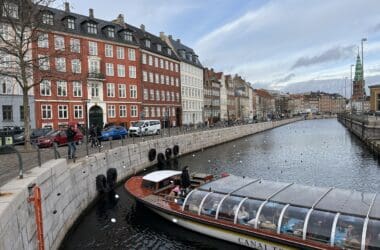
(67, 189)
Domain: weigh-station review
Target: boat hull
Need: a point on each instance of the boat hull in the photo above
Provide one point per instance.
(237, 238)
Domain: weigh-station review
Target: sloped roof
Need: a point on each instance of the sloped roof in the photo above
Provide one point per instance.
(179, 46)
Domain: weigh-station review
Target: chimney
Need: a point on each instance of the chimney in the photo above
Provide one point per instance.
(162, 35)
(91, 13)
(178, 40)
(67, 7)
(142, 27)
(119, 20)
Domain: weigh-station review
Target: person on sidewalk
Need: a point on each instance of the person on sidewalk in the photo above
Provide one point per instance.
(70, 133)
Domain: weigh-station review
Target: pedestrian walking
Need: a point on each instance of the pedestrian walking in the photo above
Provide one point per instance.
(93, 136)
(98, 131)
(70, 133)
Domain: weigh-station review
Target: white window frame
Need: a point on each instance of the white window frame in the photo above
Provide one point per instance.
(75, 45)
(122, 90)
(111, 111)
(46, 112)
(110, 89)
(134, 111)
(78, 111)
(76, 66)
(132, 71)
(123, 111)
(108, 50)
(59, 42)
(143, 58)
(120, 53)
(109, 69)
(131, 54)
(77, 89)
(145, 76)
(120, 70)
(92, 48)
(45, 88)
(61, 88)
(43, 40)
(63, 111)
(133, 91)
(60, 64)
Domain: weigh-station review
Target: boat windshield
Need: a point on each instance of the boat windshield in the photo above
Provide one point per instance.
(373, 234)
(293, 221)
(148, 184)
(348, 232)
(193, 202)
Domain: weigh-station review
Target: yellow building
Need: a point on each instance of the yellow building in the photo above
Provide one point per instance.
(375, 98)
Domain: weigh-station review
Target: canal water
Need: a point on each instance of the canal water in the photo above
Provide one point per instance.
(314, 152)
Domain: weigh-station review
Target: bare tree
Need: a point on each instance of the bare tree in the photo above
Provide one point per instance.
(20, 25)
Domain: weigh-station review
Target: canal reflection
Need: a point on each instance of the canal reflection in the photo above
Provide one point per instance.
(316, 152)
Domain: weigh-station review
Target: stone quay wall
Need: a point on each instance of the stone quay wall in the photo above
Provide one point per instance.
(67, 189)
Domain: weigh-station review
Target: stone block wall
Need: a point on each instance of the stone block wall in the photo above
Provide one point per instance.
(67, 189)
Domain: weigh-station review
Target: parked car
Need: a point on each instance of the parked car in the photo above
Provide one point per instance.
(59, 137)
(35, 133)
(145, 127)
(113, 132)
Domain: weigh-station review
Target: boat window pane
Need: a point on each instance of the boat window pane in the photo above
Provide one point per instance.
(348, 232)
(373, 235)
(293, 221)
(248, 211)
(228, 208)
(319, 226)
(194, 200)
(269, 216)
(211, 204)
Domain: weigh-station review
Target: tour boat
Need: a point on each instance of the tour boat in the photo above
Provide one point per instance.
(264, 214)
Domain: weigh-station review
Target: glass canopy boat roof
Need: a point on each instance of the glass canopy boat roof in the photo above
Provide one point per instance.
(337, 217)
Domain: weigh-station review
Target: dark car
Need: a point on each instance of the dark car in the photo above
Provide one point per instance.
(59, 137)
(113, 132)
(35, 133)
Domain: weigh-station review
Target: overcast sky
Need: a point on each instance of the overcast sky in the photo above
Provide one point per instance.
(270, 43)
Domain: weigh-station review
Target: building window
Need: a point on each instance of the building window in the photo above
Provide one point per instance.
(171, 80)
(43, 61)
(162, 95)
(78, 111)
(146, 94)
(10, 10)
(161, 63)
(75, 66)
(110, 32)
(166, 65)
(167, 80)
(60, 64)
(169, 51)
(158, 111)
(168, 96)
(146, 111)
(92, 48)
(173, 97)
(91, 28)
(147, 43)
(110, 90)
(75, 45)
(62, 111)
(177, 97)
(132, 72)
(94, 66)
(133, 91)
(171, 66)
(120, 70)
(151, 77)
(152, 112)
(111, 111)
(61, 88)
(145, 76)
(43, 40)
(59, 42)
(7, 113)
(46, 112)
(77, 89)
(156, 62)
(109, 69)
(71, 23)
(150, 60)
(176, 67)
(45, 88)
(95, 90)
(162, 79)
(151, 94)
(159, 47)
(157, 95)
(22, 113)
(131, 54)
(47, 18)
(157, 78)
(133, 111)
(144, 58)
(122, 91)
(177, 82)
(108, 50)
(120, 52)
(123, 111)
(127, 35)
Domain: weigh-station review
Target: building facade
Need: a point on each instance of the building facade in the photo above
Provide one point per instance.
(358, 91)
(191, 81)
(211, 93)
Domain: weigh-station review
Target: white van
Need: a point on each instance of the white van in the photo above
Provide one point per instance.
(145, 127)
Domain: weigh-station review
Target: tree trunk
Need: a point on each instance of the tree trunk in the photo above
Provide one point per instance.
(25, 103)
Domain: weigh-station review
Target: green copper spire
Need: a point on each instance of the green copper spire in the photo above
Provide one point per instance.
(358, 69)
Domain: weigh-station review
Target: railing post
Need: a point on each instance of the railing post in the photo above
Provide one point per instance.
(35, 197)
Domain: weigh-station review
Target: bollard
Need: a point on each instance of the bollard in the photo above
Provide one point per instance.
(56, 153)
(110, 140)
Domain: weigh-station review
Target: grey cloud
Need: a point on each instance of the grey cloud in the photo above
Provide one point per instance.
(376, 28)
(333, 54)
(286, 78)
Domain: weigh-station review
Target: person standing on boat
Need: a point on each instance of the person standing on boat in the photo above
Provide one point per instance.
(185, 179)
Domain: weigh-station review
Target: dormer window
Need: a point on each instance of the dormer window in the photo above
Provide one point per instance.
(111, 32)
(190, 57)
(10, 10)
(147, 43)
(182, 53)
(71, 23)
(159, 47)
(47, 18)
(91, 28)
(169, 51)
(127, 36)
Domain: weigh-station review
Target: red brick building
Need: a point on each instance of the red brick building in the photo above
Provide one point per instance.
(94, 76)
(160, 75)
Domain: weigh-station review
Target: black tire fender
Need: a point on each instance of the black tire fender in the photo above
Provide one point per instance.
(152, 154)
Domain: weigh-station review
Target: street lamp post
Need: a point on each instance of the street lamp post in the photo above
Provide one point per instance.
(352, 90)
(86, 124)
(362, 41)
(345, 96)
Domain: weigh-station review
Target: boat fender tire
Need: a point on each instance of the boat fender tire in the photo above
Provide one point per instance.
(111, 177)
(152, 154)
(175, 150)
(168, 153)
(161, 158)
(101, 183)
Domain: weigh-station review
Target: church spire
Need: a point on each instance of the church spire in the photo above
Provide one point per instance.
(358, 69)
